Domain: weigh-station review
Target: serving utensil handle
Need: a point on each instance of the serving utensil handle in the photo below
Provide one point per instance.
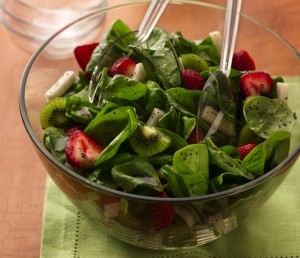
(233, 9)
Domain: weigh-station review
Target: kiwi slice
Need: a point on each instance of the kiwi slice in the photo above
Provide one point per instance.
(148, 141)
(193, 62)
(53, 113)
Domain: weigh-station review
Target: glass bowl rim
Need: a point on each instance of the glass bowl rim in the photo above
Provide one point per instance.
(176, 200)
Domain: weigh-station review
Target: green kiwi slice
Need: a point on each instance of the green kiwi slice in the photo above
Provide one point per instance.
(148, 141)
(194, 62)
(53, 113)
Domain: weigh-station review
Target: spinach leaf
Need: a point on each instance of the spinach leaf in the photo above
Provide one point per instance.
(210, 50)
(79, 108)
(55, 142)
(123, 87)
(228, 165)
(176, 185)
(107, 126)
(119, 32)
(160, 59)
(184, 100)
(189, 124)
(268, 154)
(231, 151)
(112, 128)
(160, 160)
(136, 173)
(172, 121)
(219, 87)
(119, 86)
(206, 48)
(102, 175)
(156, 97)
(266, 116)
(190, 172)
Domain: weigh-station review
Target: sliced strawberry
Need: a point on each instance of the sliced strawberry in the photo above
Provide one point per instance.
(254, 83)
(242, 61)
(196, 136)
(245, 149)
(162, 213)
(82, 150)
(72, 130)
(192, 80)
(124, 66)
(83, 54)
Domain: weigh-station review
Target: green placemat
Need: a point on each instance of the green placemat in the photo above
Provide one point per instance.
(273, 231)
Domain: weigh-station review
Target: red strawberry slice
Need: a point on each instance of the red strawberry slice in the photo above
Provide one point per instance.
(124, 66)
(245, 149)
(82, 150)
(196, 136)
(162, 213)
(242, 61)
(83, 54)
(192, 80)
(72, 130)
(254, 83)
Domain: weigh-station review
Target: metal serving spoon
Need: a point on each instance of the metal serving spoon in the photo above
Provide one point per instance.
(218, 84)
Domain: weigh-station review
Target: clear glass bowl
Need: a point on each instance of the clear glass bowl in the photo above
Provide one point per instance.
(223, 211)
(30, 23)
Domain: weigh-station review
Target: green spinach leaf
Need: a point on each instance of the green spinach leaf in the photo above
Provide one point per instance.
(266, 116)
(189, 176)
(227, 164)
(136, 173)
(122, 33)
(184, 100)
(112, 129)
(268, 154)
(55, 142)
(160, 59)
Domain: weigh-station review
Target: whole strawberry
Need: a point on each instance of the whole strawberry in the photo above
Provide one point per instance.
(245, 149)
(242, 61)
(162, 214)
(192, 80)
(83, 54)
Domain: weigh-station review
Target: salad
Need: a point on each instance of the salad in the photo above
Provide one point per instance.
(147, 136)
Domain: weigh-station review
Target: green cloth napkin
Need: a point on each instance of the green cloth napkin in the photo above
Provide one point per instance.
(272, 231)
